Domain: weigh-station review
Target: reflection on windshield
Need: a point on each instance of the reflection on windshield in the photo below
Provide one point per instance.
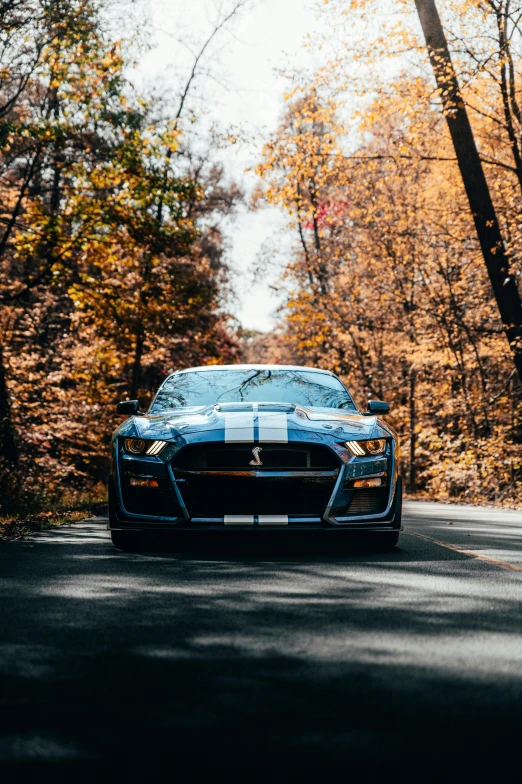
(206, 387)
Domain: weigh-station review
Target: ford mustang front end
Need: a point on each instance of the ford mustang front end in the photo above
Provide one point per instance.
(251, 447)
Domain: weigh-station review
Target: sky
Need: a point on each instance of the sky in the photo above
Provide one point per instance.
(244, 91)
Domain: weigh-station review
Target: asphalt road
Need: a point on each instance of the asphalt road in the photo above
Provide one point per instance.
(274, 660)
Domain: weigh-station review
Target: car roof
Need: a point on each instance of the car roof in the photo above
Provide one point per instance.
(254, 366)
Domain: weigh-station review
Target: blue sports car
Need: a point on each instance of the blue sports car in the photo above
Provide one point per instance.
(250, 447)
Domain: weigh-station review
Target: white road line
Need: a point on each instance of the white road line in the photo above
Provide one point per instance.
(239, 519)
(273, 427)
(273, 519)
(239, 426)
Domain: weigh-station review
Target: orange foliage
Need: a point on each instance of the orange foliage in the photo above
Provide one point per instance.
(388, 286)
(111, 259)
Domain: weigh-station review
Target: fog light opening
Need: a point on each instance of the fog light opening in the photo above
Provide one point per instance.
(376, 481)
(143, 481)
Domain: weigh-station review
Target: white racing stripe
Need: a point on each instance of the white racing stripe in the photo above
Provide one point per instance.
(239, 519)
(239, 426)
(273, 427)
(273, 519)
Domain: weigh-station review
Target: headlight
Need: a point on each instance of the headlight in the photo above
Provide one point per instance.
(135, 445)
(365, 448)
(155, 447)
(139, 446)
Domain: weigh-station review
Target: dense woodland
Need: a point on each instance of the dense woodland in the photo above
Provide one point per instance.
(112, 267)
(113, 256)
(388, 286)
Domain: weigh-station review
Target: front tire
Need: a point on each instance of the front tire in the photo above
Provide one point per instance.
(397, 504)
(386, 541)
(127, 541)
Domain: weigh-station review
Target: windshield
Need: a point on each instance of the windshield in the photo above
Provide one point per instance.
(206, 387)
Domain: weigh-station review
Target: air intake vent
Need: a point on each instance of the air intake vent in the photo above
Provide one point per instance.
(367, 502)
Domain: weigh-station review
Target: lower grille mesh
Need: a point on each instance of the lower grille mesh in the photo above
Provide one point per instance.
(366, 502)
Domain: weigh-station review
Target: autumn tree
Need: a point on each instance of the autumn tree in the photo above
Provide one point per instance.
(388, 284)
(494, 251)
(112, 257)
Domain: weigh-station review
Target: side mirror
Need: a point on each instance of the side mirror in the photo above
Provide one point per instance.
(128, 407)
(377, 407)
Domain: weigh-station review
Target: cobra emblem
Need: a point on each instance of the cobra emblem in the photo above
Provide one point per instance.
(255, 451)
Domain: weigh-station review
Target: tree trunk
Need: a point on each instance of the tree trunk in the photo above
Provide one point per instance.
(493, 249)
(136, 368)
(413, 413)
(8, 448)
(55, 196)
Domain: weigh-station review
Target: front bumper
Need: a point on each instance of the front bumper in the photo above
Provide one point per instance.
(165, 508)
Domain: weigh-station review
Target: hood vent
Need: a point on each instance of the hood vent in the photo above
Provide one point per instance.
(288, 408)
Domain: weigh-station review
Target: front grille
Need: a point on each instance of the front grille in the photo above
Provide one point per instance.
(211, 496)
(367, 502)
(237, 457)
(207, 495)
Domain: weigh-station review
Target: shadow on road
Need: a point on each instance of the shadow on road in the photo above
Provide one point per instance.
(328, 546)
(269, 544)
(267, 664)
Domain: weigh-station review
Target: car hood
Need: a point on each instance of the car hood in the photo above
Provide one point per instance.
(325, 421)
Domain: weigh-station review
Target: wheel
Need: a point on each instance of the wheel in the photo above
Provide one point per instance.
(397, 504)
(389, 539)
(128, 541)
(113, 506)
(386, 541)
